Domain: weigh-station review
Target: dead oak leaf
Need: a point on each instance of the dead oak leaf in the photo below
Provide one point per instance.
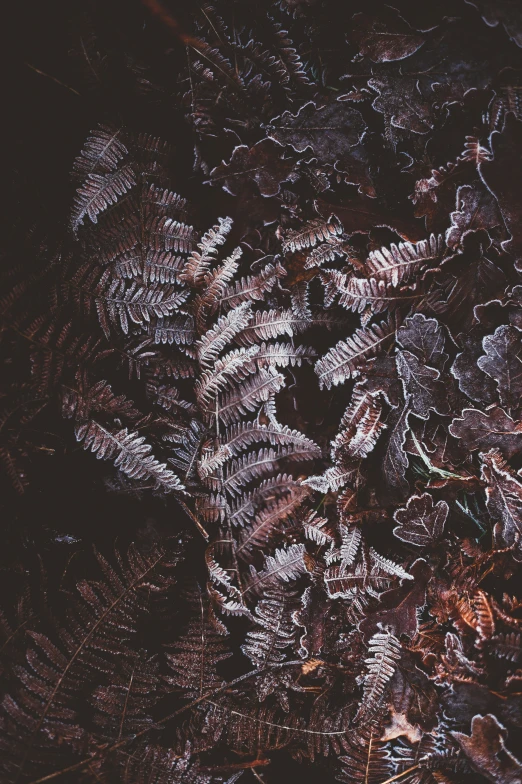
(421, 522)
(262, 164)
(385, 37)
(503, 362)
(491, 429)
(502, 175)
(504, 501)
(329, 131)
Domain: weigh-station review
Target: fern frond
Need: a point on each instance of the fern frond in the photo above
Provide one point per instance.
(81, 403)
(347, 356)
(252, 288)
(116, 243)
(359, 294)
(507, 646)
(162, 267)
(355, 582)
(389, 566)
(102, 152)
(368, 759)
(248, 396)
(385, 650)
(253, 465)
(211, 463)
(97, 644)
(360, 426)
(332, 480)
(285, 565)
(215, 339)
(275, 630)
(125, 707)
(98, 192)
(243, 435)
(350, 542)
(237, 363)
(290, 58)
(284, 355)
(178, 329)
(317, 230)
(167, 234)
(162, 200)
(119, 305)
(168, 397)
(316, 529)
(186, 453)
(215, 284)
(268, 521)
(485, 623)
(222, 67)
(403, 261)
(243, 508)
(199, 649)
(318, 256)
(129, 452)
(57, 346)
(198, 263)
(128, 264)
(301, 300)
(212, 508)
(269, 324)
(474, 152)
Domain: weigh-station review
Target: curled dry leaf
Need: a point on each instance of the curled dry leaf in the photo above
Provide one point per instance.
(486, 750)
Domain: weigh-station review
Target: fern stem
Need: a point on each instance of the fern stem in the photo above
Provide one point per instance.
(466, 510)
(400, 775)
(284, 726)
(53, 78)
(194, 519)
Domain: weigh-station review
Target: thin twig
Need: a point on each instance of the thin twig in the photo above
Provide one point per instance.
(257, 763)
(280, 726)
(54, 79)
(194, 519)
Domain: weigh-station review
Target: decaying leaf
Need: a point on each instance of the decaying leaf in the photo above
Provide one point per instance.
(421, 522)
(486, 750)
(504, 501)
(260, 164)
(387, 38)
(328, 132)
